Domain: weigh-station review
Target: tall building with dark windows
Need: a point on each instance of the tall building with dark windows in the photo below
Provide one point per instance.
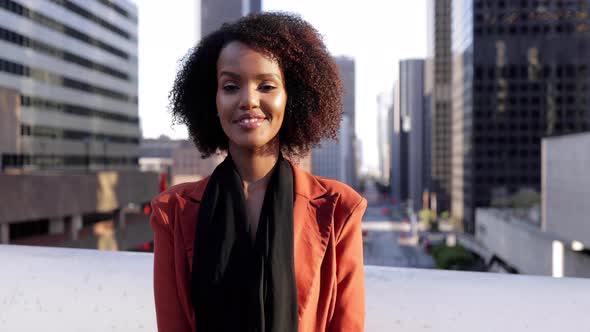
(68, 84)
(520, 73)
(439, 52)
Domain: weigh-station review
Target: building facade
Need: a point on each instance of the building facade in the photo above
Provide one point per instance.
(439, 52)
(156, 154)
(69, 125)
(399, 149)
(338, 159)
(414, 109)
(384, 134)
(520, 73)
(213, 13)
(188, 164)
(68, 84)
(566, 188)
(551, 238)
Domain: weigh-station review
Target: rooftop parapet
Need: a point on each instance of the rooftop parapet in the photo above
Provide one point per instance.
(51, 289)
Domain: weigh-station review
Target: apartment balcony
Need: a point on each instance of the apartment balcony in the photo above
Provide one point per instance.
(55, 289)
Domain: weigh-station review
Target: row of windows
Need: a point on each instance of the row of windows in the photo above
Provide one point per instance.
(90, 16)
(522, 71)
(18, 39)
(562, 127)
(54, 79)
(494, 155)
(535, 101)
(39, 103)
(536, 92)
(529, 114)
(77, 135)
(530, 16)
(511, 169)
(118, 9)
(508, 180)
(23, 160)
(522, 89)
(573, 4)
(523, 163)
(59, 27)
(567, 29)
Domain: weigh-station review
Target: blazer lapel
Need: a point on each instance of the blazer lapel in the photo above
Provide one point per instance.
(313, 211)
(187, 215)
(312, 223)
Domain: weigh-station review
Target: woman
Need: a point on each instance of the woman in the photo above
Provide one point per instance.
(260, 245)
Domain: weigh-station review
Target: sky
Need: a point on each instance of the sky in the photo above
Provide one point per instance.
(376, 33)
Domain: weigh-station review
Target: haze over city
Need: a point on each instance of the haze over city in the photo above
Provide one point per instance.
(377, 35)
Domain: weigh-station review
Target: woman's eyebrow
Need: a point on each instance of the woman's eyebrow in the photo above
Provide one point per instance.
(267, 75)
(258, 76)
(228, 73)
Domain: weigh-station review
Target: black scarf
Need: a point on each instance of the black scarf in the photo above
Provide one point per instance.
(238, 285)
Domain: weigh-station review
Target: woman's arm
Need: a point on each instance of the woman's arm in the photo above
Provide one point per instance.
(349, 313)
(169, 311)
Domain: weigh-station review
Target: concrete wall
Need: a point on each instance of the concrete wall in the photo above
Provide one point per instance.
(528, 249)
(86, 290)
(566, 187)
(40, 196)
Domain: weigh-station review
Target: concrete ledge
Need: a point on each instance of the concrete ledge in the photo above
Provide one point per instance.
(49, 289)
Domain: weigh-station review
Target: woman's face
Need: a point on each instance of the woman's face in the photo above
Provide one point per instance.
(251, 96)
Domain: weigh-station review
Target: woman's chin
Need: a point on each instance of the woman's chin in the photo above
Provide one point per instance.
(254, 145)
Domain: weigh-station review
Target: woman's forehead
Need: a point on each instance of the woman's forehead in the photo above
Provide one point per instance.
(238, 57)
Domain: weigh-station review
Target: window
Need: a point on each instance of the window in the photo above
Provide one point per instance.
(90, 16)
(61, 28)
(50, 78)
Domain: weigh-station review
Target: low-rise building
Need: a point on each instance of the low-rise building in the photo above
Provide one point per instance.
(550, 237)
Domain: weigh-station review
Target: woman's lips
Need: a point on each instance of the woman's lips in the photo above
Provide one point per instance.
(250, 123)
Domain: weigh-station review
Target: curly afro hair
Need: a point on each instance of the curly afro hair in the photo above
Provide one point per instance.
(314, 89)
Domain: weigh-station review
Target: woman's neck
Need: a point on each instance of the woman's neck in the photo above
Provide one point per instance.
(254, 166)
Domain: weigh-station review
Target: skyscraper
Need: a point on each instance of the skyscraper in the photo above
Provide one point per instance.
(216, 12)
(439, 50)
(68, 84)
(520, 73)
(384, 134)
(337, 159)
(415, 113)
(399, 149)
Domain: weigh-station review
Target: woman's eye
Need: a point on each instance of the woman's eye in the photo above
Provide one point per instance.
(230, 87)
(267, 87)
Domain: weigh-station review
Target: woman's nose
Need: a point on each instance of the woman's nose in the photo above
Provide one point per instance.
(249, 99)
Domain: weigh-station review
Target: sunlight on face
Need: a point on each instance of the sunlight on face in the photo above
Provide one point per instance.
(251, 96)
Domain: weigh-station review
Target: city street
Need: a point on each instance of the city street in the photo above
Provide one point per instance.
(386, 241)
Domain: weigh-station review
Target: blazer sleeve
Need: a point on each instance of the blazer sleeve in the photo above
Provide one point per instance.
(349, 312)
(169, 311)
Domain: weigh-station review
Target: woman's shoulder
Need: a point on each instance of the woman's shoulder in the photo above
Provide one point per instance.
(179, 194)
(334, 186)
(349, 199)
(175, 201)
(312, 185)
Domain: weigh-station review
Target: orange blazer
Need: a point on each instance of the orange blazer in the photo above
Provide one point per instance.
(328, 252)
